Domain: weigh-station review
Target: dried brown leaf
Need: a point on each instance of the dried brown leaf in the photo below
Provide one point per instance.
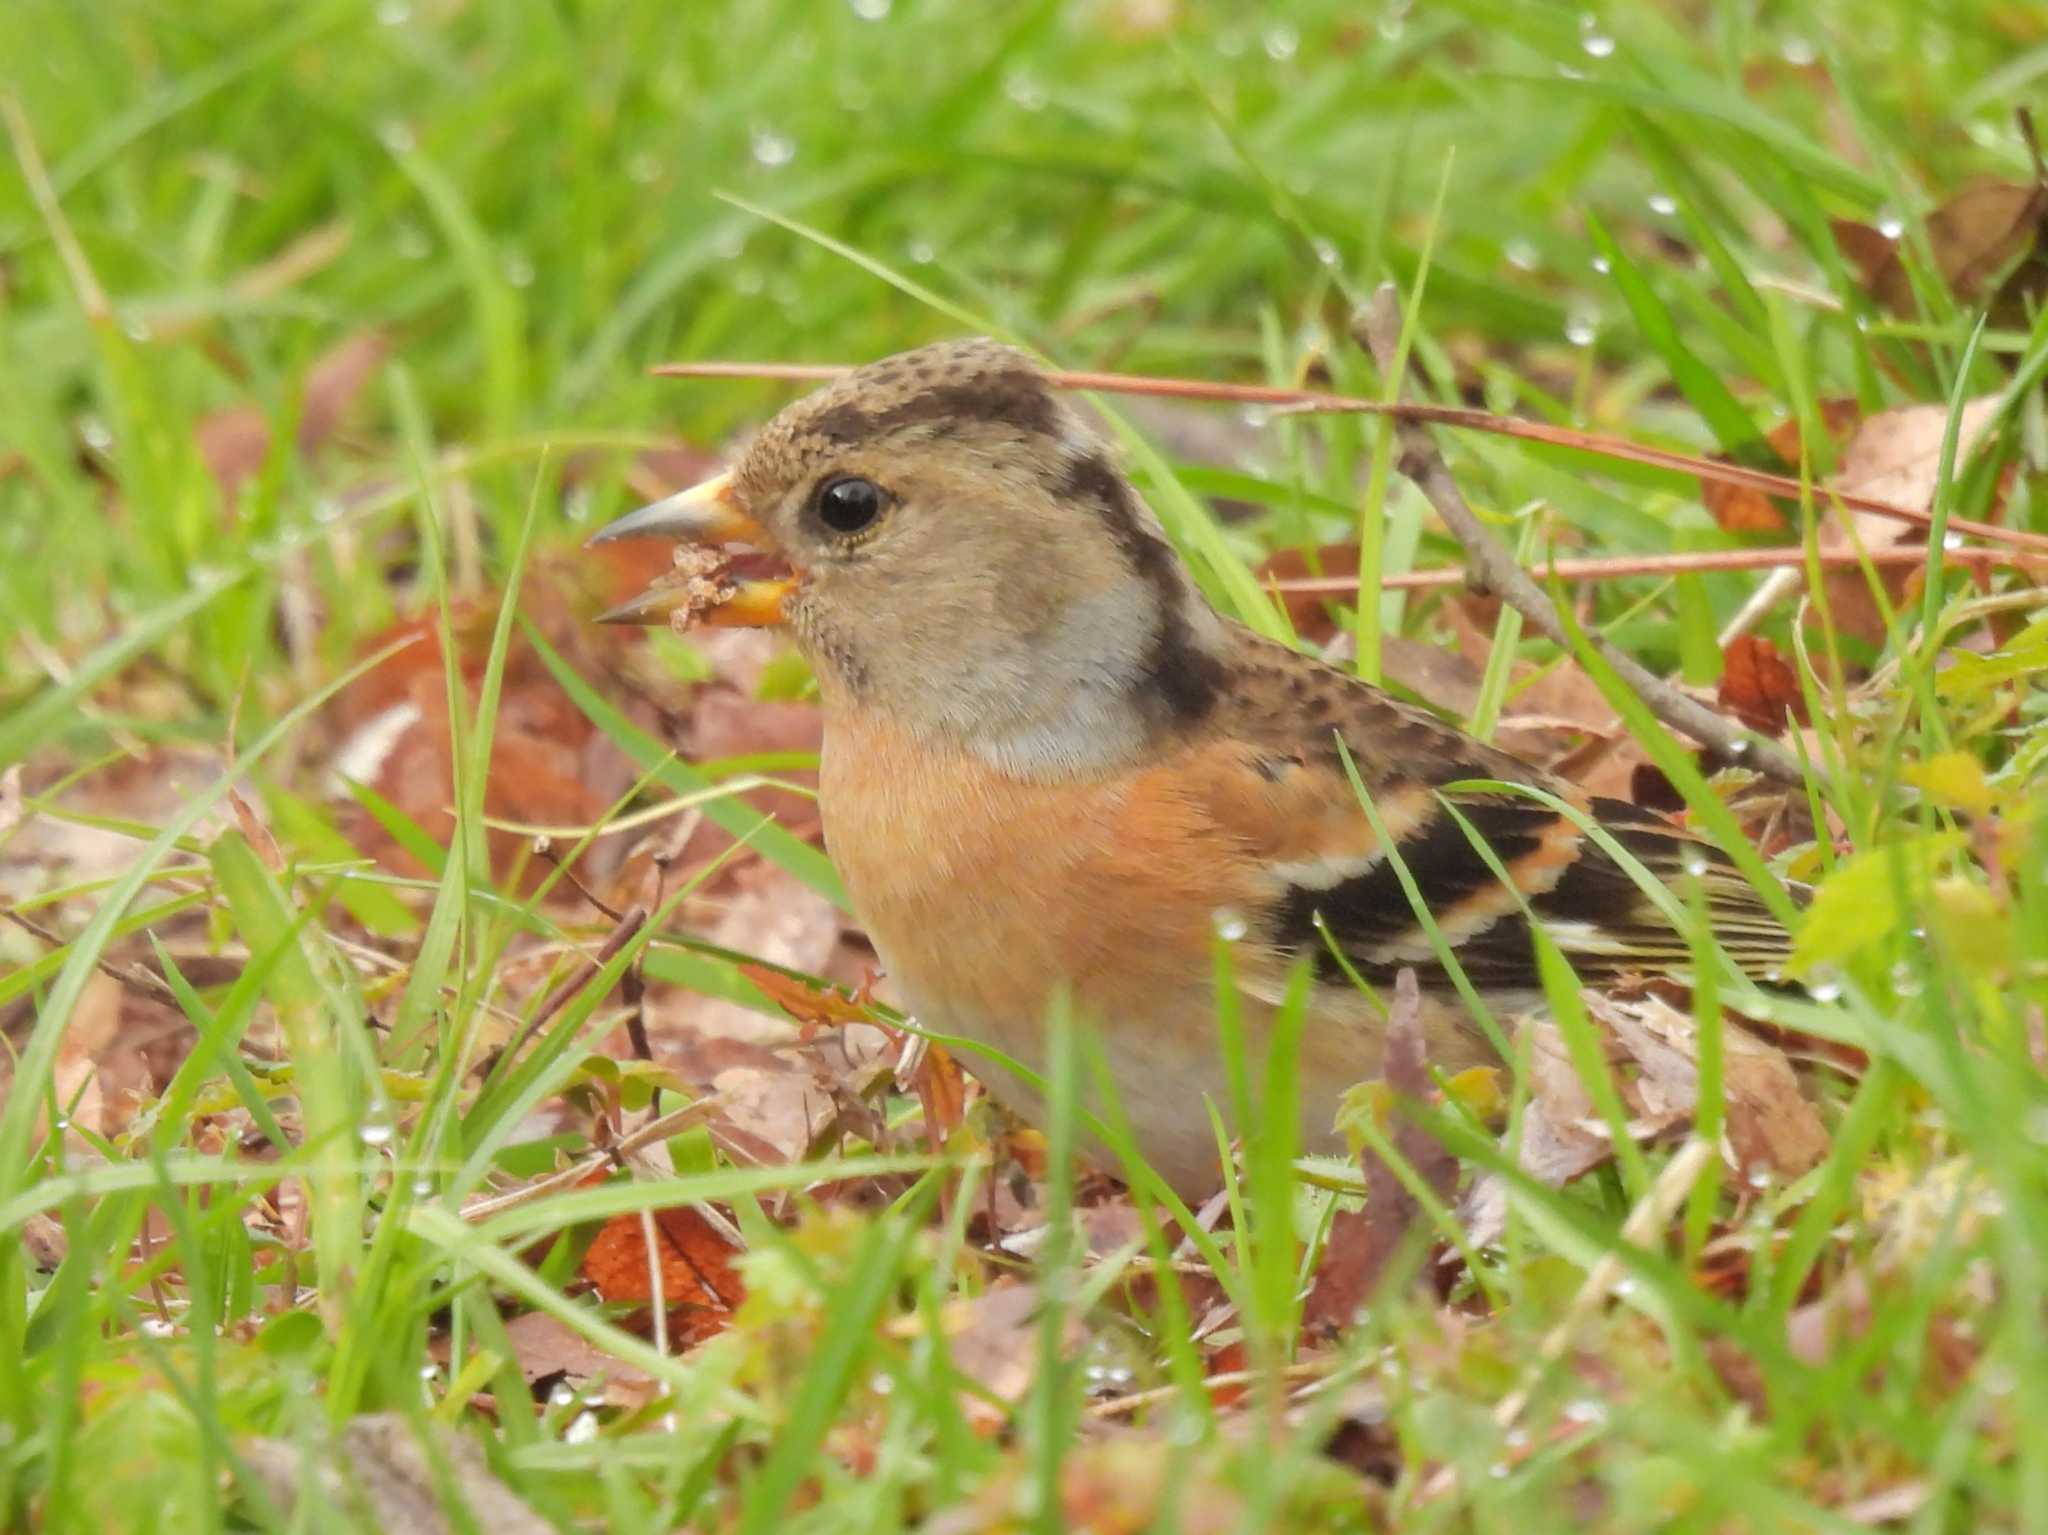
(1758, 685)
(1362, 1242)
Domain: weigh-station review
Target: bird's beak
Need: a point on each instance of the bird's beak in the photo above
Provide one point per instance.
(703, 589)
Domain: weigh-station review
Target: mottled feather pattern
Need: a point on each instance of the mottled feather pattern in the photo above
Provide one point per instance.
(1052, 769)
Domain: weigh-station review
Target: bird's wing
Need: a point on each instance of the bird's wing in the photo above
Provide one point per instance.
(1286, 791)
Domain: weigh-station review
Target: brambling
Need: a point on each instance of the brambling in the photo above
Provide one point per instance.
(1051, 766)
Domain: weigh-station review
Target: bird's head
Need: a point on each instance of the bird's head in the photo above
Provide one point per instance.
(955, 546)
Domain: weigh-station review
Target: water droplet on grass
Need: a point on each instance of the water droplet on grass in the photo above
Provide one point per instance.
(870, 10)
(1281, 43)
(921, 253)
(394, 13)
(1663, 204)
(1327, 252)
(1602, 265)
(1797, 51)
(1581, 329)
(772, 149)
(1598, 45)
(376, 1130)
(1585, 1410)
(1521, 255)
(1230, 923)
(1890, 225)
(156, 1327)
(582, 1429)
(1025, 89)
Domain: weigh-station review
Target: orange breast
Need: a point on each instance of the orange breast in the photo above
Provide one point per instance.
(984, 893)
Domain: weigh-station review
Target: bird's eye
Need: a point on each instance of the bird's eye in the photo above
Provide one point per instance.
(849, 504)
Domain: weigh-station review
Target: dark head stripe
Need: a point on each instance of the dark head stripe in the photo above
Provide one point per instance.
(1183, 676)
(1014, 397)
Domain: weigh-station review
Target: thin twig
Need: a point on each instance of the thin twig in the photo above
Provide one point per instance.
(634, 919)
(1377, 328)
(1311, 401)
(1705, 561)
(609, 1156)
(134, 977)
(544, 849)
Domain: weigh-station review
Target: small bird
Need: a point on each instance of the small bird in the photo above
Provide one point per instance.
(1051, 768)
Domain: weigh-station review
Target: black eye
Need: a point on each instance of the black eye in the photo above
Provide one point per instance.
(848, 504)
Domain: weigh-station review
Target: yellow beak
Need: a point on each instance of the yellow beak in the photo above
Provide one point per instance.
(707, 515)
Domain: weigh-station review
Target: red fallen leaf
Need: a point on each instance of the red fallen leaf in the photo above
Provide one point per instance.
(698, 1282)
(942, 1091)
(815, 1007)
(1363, 1242)
(1309, 613)
(1230, 1359)
(1741, 509)
(1758, 686)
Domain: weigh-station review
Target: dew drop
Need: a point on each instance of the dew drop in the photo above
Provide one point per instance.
(921, 253)
(772, 149)
(377, 1130)
(582, 1429)
(1393, 22)
(429, 1371)
(1624, 1288)
(1952, 541)
(1598, 45)
(1581, 329)
(563, 1395)
(135, 328)
(1281, 43)
(1586, 1409)
(1521, 255)
(423, 1186)
(1326, 252)
(1738, 748)
(1602, 265)
(1825, 991)
(870, 10)
(1759, 1179)
(1695, 864)
(157, 1327)
(1663, 204)
(1230, 923)
(1797, 51)
(1890, 225)
(61, 1126)
(1025, 89)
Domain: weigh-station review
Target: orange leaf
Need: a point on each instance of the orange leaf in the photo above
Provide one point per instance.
(1758, 686)
(816, 1007)
(1742, 509)
(696, 1263)
(943, 1092)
